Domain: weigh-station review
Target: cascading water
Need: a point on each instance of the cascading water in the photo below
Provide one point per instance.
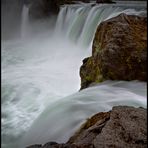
(41, 72)
(79, 22)
(25, 22)
(61, 119)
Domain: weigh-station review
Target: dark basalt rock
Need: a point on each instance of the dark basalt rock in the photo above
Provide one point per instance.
(119, 51)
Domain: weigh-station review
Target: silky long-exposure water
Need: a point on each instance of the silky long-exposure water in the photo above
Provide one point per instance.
(40, 78)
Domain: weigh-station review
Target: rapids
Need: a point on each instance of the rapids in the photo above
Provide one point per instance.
(40, 78)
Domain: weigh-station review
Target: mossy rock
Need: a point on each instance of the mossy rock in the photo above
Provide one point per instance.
(119, 51)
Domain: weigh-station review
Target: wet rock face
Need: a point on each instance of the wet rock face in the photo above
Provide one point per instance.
(123, 126)
(90, 72)
(119, 51)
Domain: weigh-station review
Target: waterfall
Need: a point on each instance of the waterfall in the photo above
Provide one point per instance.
(79, 22)
(25, 22)
(11, 18)
(60, 120)
(40, 78)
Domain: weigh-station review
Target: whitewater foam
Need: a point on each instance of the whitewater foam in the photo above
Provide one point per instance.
(39, 71)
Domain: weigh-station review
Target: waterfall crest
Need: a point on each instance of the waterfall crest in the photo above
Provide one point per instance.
(25, 22)
(79, 22)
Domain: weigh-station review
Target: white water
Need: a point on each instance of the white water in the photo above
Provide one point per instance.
(79, 22)
(39, 72)
(61, 119)
(25, 22)
(34, 74)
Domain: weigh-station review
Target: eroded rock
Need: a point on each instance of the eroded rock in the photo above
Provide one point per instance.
(127, 127)
(119, 51)
(123, 126)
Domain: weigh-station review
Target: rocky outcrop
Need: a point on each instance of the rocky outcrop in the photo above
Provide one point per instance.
(121, 127)
(119, 51)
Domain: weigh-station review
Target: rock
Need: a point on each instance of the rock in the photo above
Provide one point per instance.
(123, 126)
(90, 129)
(119, 51)
(90, 72)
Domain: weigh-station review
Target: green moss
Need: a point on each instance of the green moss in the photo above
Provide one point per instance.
(100, 79)
(110, 74)
(98, 47)
(88, 78)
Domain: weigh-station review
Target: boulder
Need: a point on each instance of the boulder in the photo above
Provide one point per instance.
(123, 126)
(119, 51)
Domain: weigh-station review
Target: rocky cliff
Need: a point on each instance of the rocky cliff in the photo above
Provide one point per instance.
(119, 51)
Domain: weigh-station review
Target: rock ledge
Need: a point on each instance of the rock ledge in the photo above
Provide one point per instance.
(123, 126)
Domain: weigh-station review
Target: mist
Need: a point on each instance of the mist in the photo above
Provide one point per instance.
(41, 58)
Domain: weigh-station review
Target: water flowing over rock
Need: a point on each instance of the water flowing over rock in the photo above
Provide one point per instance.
(40, 9)
(119, 51)
(40, 74)
(123, 126)
(11, 18)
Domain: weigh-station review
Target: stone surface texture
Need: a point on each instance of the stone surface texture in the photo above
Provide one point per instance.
(123, 126)
(119, 51)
